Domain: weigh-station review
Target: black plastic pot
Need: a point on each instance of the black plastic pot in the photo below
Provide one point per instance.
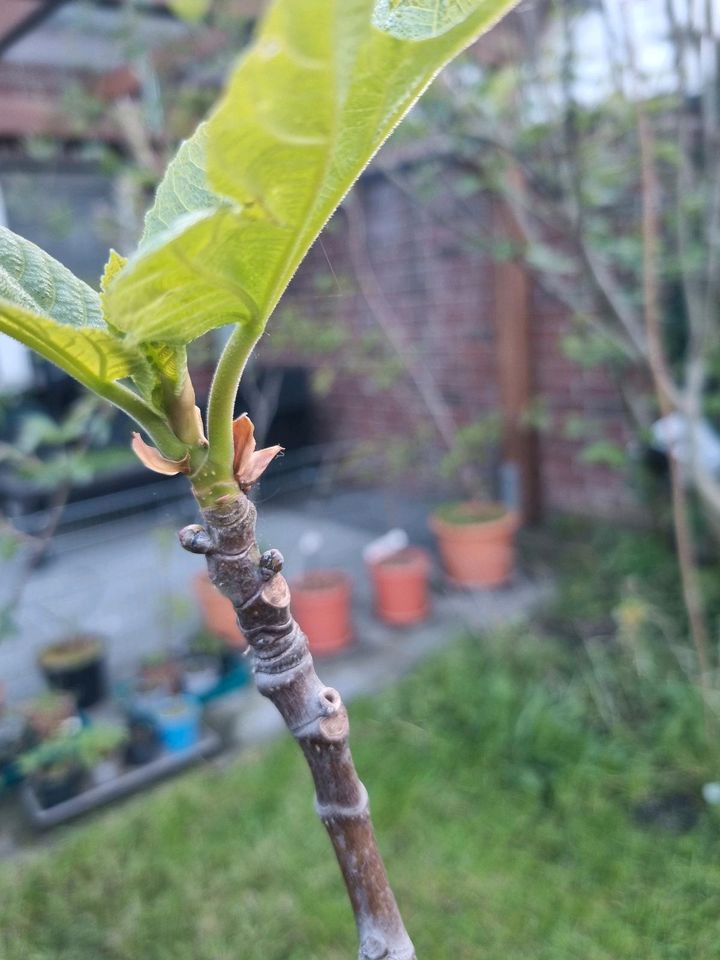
(52, 788)
(85, 679)
(143, 741)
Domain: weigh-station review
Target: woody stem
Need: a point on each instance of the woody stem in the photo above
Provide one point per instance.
(314, 713)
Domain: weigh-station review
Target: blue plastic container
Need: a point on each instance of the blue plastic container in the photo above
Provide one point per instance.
(178, 721)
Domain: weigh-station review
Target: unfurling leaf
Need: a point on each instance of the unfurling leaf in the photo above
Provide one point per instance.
(166, 364)
(154, 460)
(249, 464)
(114, 265)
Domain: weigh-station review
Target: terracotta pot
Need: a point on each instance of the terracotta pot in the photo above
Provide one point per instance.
(218, 613)
(476, 543)
(400, 583)
(321, 605)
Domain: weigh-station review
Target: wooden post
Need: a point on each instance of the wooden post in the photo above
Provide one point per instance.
(512, 289)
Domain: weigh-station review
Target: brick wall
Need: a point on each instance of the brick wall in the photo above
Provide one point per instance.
(436, 284)
(569, 390)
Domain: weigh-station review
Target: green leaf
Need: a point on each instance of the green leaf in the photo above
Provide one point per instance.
(169, 361)
(183, 190)
(114, 265)
(309, 104)
(33, 280)
(604, 453)
(166, 363)
(424, 19)
(90, 355)
(46, 307)
(190, 10)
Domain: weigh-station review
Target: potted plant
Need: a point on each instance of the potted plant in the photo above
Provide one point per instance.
(54, 770)
(100, 747)
(178, 722)
(218, 612)
(201, 673)
(160, 675)
(213, 668)
(321, 601)
(78, 666)
(143, 740)
(46, 713)
(211, 645)
(12, 741)
(400, 585)
(475, 535)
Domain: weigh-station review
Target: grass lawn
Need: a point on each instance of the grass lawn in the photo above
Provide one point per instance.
(504, 786)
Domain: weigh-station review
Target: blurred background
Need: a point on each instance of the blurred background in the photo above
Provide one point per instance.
(496, 380)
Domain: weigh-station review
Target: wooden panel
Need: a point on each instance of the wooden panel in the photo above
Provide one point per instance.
(512, 318)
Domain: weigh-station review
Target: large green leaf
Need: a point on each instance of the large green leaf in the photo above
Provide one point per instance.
(311, 101)
(423, 19)
(46, 307)
(184, 189)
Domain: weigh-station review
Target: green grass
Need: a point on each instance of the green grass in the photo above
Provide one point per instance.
(503, 804)
(464, 512)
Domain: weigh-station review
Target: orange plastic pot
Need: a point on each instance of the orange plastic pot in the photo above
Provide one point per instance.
(476, 542)
(218, 613)
(321, 605)
(400, 583)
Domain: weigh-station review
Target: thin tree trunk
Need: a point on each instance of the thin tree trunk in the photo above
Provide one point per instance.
(314, 713)
(659, 368)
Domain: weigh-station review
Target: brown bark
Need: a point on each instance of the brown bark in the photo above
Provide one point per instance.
(659, 369)
(314, 713)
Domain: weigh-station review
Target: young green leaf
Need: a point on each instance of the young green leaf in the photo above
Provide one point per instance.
(46, 307)
(91, 355)
(166, 365)
(32, 279)
(309, 104)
